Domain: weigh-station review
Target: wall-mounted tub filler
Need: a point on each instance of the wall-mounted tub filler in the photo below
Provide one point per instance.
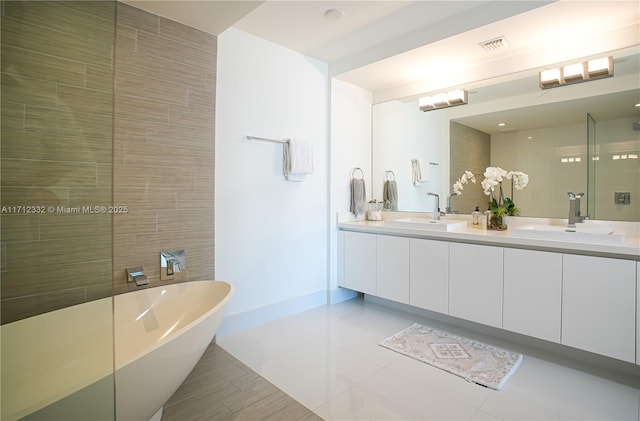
(136, 274)
(173, 265)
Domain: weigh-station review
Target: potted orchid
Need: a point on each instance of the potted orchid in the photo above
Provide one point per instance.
(499, 205)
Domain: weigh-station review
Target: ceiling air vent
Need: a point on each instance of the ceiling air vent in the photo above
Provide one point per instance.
(495, 43)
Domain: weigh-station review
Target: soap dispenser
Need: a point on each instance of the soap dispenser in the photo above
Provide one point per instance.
(475, 218)
(487, 218)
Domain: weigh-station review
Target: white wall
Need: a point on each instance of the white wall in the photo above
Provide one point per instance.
(402, 132)
(270, 234)
(350, 147)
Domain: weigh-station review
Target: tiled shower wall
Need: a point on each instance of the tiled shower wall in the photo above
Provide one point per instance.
(57, 106)
(470, 149)
(63, 125)
(164, 144)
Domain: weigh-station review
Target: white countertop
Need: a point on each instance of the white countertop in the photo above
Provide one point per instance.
(630, 249)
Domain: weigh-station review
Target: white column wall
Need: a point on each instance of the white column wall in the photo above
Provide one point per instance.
(350, 148)
(270, 234)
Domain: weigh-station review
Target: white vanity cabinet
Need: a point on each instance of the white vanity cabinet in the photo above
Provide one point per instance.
(392, 268)
(359, 272)
(429, 275)
(586, 302)
(475, 283)
(599, 305)
(533, 293)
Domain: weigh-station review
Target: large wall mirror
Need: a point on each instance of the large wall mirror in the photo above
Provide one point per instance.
(583, 138)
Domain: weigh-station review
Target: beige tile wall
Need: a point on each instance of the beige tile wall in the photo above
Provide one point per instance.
(470, 149)
(164, 144)
(67, 135)
(56, 150)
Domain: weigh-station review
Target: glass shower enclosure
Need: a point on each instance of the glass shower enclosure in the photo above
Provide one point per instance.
(56, 156)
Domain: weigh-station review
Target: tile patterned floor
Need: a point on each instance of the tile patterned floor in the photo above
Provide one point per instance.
(328, 359)
(222, 388)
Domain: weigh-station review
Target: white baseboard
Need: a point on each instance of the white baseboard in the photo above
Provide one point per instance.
(339, 295)
(249, 319)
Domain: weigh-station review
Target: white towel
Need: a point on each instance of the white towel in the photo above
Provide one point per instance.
(297, 159)
(421, 170)
(416, 172)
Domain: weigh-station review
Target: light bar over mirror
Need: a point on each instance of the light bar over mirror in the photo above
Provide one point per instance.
(577, 72)
(443, 100)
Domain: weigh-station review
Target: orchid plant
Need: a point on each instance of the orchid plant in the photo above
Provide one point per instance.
(492, 187)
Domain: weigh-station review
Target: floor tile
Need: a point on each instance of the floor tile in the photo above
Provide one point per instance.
(440, 381)
(220, 388)
(316, 372)
(328, 359)
(255, 346)
(391, 395)
(543, 390)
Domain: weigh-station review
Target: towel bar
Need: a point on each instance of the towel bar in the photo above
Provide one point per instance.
(268, 140)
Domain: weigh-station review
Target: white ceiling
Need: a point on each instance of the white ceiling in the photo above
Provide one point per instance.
(400, 48)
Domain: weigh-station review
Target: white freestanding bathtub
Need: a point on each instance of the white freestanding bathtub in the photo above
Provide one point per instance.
(56, 362)
(160, 334)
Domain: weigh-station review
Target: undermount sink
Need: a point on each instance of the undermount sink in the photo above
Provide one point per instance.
(426, 224)
(579, 234)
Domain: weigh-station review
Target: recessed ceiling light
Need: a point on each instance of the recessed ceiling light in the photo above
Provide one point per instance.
(502, 124)
(334, 14)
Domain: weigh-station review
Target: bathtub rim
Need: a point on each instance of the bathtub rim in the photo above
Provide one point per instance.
(120, 362)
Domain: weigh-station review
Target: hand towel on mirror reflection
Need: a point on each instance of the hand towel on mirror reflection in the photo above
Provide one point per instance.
(390, 194)
(416, 172)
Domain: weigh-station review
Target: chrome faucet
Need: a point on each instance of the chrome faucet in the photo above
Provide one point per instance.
(436, 209)
(136, 274)
(448, 208)
(574, 209)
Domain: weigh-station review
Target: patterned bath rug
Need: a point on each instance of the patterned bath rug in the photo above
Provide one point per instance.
(474, 361)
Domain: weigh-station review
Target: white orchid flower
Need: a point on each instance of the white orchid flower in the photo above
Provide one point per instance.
(520, 179)
(457, 187)
(488, 185)
(495, 173)
(468, 176)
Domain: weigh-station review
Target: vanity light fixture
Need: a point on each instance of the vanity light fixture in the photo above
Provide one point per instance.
(625, 156)
(443, 100)
(577, 72)
(550, 78)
